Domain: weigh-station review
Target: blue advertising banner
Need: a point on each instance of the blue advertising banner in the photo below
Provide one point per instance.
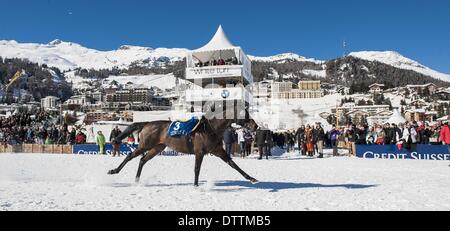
(125, 149)
(422, 152)
(93, 149)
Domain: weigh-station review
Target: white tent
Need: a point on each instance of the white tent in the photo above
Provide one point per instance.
(218, 42)
(396, 118)
(444, 119)
(218, 47)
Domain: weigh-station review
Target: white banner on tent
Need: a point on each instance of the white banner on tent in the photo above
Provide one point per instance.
(213, 72)
(215, 94)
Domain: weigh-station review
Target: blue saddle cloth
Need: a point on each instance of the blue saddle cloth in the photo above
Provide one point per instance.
(183, 128)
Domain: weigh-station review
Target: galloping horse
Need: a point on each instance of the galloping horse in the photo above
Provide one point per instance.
(206, 139)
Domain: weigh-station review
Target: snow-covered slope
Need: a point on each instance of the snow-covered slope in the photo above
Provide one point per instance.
(397, 60)
(67, 55)
(284, 57)
(163, 82)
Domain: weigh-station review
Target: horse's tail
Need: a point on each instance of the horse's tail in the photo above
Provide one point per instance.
(136, 127)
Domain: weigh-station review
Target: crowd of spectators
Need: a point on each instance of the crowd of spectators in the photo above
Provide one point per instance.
(218, 62)
(38, 128)
(311, 140)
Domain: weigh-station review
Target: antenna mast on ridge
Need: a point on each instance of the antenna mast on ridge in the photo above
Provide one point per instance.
(344, 47)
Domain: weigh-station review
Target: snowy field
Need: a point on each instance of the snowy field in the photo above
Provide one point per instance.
(71, 182)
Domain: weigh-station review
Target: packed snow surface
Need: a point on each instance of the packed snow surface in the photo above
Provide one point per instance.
(75, 182)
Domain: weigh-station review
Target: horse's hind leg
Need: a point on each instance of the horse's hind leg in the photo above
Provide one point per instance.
(219, 152)
(150, 155)
(133, 155)
(198, 165)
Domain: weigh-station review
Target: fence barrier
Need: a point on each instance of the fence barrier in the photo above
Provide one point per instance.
(36, 148)
(79, 149)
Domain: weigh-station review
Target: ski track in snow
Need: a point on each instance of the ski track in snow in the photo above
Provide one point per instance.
(72, 182)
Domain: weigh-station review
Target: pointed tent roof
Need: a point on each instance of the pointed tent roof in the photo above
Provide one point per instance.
(218, 42)
(396, 118)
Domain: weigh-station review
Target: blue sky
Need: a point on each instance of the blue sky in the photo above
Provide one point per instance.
(418, 29)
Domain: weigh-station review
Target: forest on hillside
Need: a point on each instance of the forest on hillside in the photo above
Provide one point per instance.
(40, 81)
(357, 74)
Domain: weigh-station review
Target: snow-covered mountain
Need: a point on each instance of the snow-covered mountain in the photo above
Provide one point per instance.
(67, 55)
(285, 57)
(395, 59)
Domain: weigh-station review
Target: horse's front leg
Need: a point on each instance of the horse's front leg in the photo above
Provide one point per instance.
(219, 152)
(150, 155)
(133, 155)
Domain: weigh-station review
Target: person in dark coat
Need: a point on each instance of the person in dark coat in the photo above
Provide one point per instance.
(350, 135)
(62, 136)
(320, 138)
(228, 139)
(55, 134)
(260, 139)
(269, 143)
(248, 141)
(333, 136)
(388, 134)
(395, 130)
(361, 135)
(425, 134)
(115, 143)
(71, 136)
(288, 141)
(300, 135)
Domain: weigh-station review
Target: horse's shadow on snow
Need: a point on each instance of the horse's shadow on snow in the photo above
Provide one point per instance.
(235, 186)
(279, 186)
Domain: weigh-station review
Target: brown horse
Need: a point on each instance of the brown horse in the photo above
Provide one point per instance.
(206, 139)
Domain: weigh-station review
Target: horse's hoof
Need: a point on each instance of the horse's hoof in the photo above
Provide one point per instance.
(254, 181)
(137, 180)
(112, 172)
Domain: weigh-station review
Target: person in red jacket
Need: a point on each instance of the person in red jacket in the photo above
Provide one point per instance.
(131, 139)
(80, 138)
(445, 136)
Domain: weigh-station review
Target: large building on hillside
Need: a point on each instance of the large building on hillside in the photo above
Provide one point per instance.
(261, 90)
(49, 102)
(376, 88)
(306, 90)
(428, 89)
(361, 114)
(134, 95)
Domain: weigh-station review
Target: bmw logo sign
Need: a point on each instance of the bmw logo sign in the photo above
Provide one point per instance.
(225, 94)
